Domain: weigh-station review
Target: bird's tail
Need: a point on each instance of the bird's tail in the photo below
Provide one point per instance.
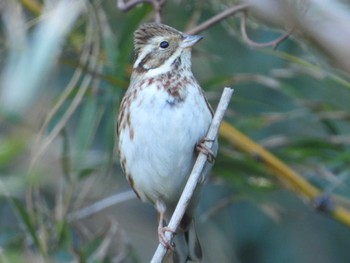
(187, 246)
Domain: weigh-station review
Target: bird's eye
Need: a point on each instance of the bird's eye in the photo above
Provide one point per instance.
(164, 44)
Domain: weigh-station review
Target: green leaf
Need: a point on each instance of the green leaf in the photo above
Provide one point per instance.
(26, 219)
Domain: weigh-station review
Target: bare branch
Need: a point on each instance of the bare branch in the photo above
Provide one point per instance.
(100, 205)
(157, 6)
(195, 174)
(273, 43)
(219, 17)
(124, 7)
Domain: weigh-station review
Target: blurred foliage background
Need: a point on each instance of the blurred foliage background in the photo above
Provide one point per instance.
(65, 66)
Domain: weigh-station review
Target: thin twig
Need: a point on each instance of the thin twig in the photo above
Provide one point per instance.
(157, 7)
(273, 43)
(195, 174)
(100, 205)
(126, 6)
(219, 17)
(101, 251)
(219, 206)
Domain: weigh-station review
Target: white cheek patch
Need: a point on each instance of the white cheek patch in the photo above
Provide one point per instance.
(166, 67)
(145, 51)
(148, 48)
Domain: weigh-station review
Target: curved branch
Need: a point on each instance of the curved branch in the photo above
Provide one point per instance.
(273, 43)
(217, 18)
(100, 205)
(126, 6)
(157, 6)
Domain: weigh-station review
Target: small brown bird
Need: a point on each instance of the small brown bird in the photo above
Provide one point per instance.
(163, 120)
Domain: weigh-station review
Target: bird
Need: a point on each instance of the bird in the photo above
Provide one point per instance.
(163, 120)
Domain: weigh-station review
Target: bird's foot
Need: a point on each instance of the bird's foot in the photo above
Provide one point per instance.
(201, 147)
(163, 239)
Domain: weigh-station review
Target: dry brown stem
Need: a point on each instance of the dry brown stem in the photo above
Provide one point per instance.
(157, 6)
(273, 43)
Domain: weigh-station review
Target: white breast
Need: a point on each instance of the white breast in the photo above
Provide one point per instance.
(161, 154)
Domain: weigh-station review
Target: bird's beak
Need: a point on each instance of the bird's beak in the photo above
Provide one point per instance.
(190, 40)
